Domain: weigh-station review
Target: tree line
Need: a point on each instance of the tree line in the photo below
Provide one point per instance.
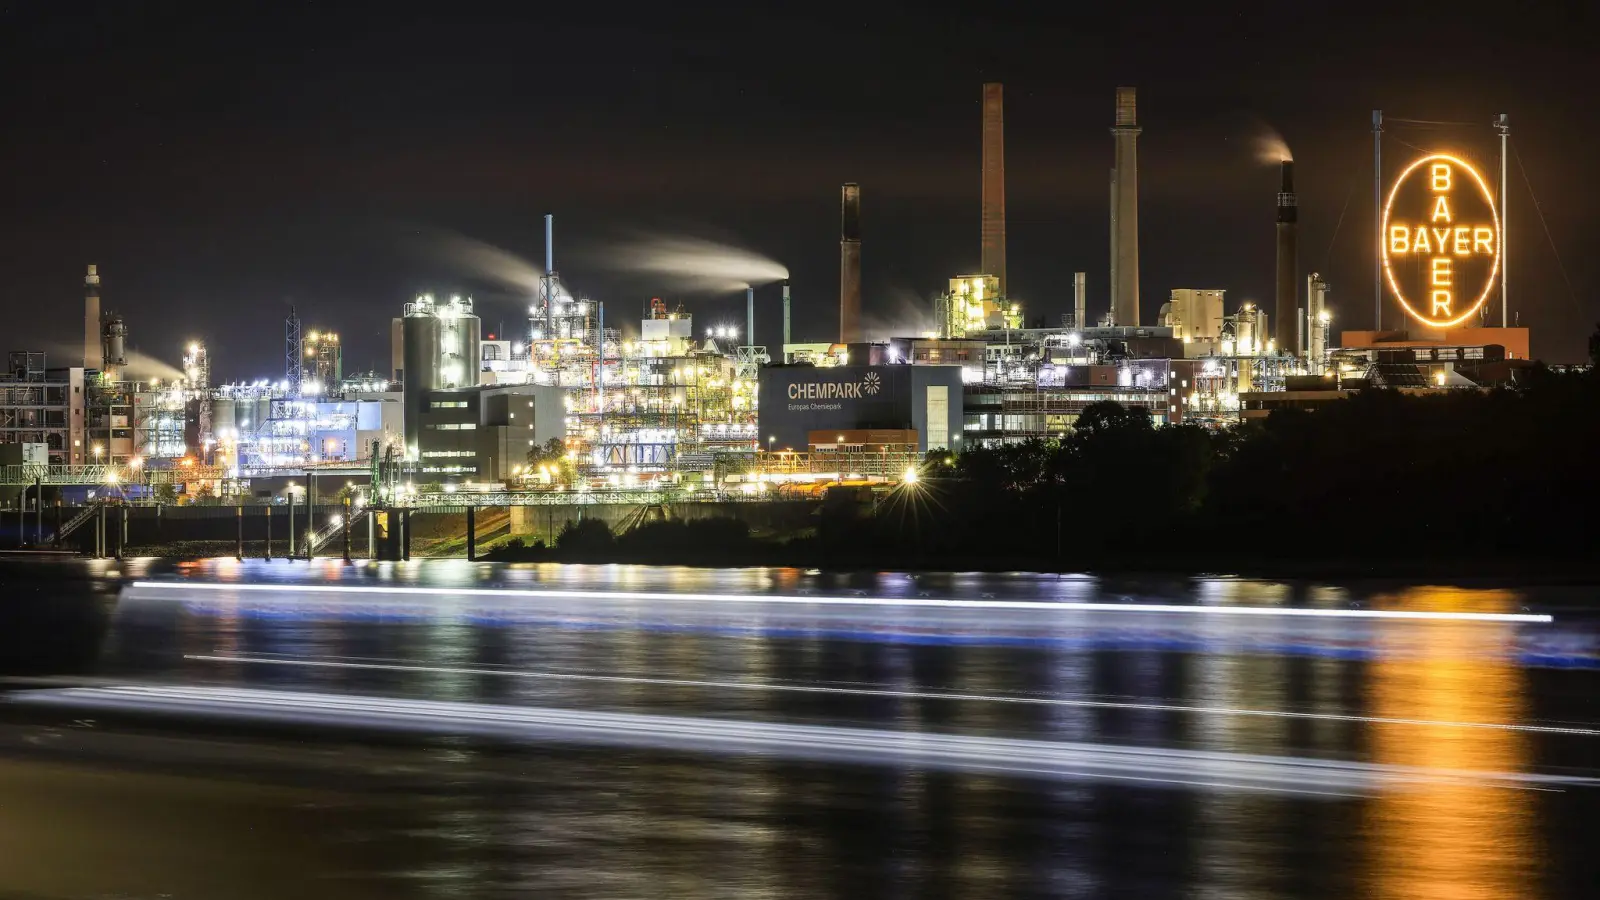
(1382, 481)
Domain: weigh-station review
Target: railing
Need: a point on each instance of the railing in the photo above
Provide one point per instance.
(438, 500)
(72, 524)
(181, 474)
(28, 474)
(320, 537)
(889, 463)
(101, 473)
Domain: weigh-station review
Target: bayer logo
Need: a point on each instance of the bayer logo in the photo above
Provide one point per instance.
(869, 383)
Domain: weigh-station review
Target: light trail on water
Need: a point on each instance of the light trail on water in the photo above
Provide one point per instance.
(1013, 757)
(756, 686)
(882, 602)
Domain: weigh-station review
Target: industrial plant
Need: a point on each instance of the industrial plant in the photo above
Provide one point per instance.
(573, 409)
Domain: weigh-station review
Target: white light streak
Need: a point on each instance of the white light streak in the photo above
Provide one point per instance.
(892, 602)
(816, 743)
(759, 686)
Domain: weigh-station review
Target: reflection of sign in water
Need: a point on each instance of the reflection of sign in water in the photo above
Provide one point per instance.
(1441, 240)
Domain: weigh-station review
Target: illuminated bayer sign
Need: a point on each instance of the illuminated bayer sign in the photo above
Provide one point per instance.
(1441, 240)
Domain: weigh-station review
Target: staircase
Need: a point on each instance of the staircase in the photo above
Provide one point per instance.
(323, 535)
(74, 523)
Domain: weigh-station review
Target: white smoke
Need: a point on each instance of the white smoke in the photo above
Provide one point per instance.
(686, 263)
(1270, 147)
(143, 367)
(472, 258)
(140, 366)
(899, 312)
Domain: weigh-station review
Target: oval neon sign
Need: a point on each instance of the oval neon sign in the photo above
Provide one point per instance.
(1441, 240)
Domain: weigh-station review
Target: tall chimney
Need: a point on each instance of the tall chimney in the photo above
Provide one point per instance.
(1080, 300)
(1286, 310)
(783, 349)
(1125, 211)
(994, 184)
(850, 264)
(93, 358)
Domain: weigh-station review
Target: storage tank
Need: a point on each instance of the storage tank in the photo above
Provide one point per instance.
(114, 339)
(460, 344)
(222, 417)
(442, 348)
(260, 412)
(420, 339)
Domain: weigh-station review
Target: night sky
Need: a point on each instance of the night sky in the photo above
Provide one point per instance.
(222, 160)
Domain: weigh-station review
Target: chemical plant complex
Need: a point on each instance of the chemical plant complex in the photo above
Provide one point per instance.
(577, 407)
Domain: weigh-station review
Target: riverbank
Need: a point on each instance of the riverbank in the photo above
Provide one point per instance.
(805, 554)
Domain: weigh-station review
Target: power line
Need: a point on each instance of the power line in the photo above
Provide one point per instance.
(1432, 122)
(1412, 146)
(1547, 235)
(1349, 192)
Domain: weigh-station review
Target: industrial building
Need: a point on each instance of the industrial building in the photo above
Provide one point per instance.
(1195, 316)
(43, 407)
(483, 433)
(261, 429)
(924, 400)
(440, 351)
(323, 363)
(464, 410)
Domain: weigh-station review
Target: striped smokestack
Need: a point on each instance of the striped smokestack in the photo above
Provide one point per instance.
(850, 264)
(1286, 310)
(994, 184)
(1125, 210)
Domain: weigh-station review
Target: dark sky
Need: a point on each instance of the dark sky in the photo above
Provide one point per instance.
(221, 160)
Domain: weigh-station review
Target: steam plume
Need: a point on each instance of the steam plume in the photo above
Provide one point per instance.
(1270, 147)
(695, 264)
(473, 258)
(900, 313)
(142, 366)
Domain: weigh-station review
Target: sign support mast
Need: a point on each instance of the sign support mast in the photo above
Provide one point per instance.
(1503, 125)
(1377, 219)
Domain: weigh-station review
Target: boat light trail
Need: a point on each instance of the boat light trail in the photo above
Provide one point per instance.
(1012, 757)
(766, 686)
(886, 602)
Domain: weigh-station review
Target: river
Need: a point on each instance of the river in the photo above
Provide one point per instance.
(453, 729)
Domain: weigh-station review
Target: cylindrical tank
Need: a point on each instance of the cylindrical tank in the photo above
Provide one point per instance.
(261, 411)
(1244, 332)
(222, 417)
(113, 341)
(460, 349)
(420, 353)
